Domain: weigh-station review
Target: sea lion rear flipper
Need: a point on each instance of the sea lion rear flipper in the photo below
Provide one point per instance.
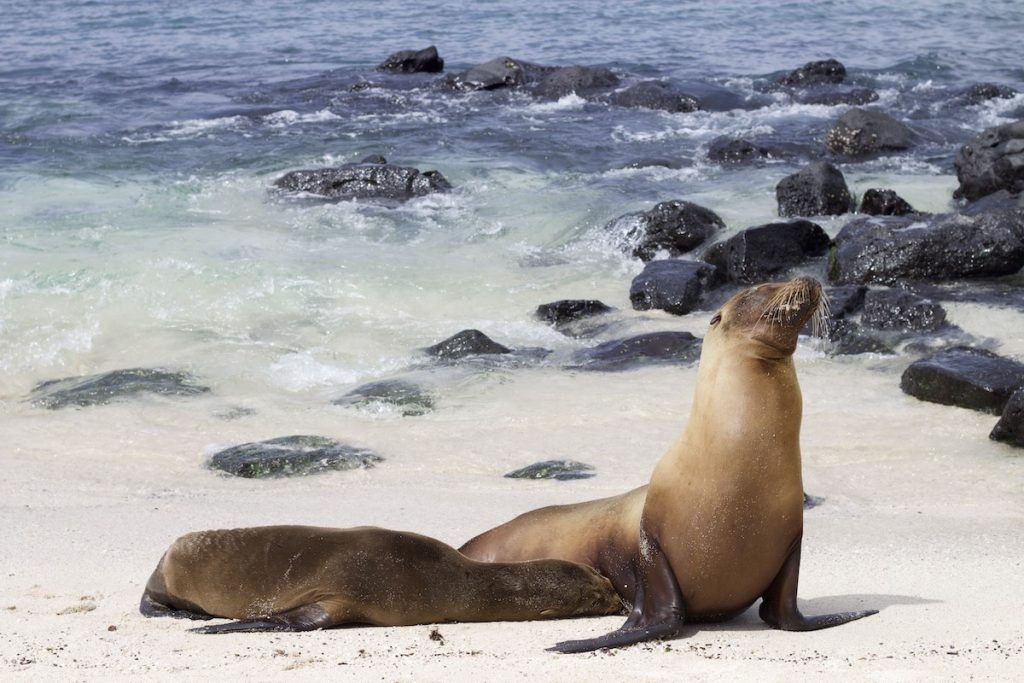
(306, 618)
(778, 605)
(658, 612)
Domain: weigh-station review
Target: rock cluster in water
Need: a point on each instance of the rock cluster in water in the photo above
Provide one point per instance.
(103, 388)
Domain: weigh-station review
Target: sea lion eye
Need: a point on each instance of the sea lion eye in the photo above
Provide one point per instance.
(716, 319)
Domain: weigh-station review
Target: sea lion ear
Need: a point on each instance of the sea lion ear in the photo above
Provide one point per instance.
(716, 319)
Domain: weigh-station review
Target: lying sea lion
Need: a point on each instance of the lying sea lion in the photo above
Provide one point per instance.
(604, 534)
(722, 521)
(300, 578)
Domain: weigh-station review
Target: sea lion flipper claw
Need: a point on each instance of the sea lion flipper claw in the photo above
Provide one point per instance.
(658, 613)
(305, 618)
(778, 605)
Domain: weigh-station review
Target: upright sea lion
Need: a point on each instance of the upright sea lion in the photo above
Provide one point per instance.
(300, 578)
(723, 517)
(604, 534)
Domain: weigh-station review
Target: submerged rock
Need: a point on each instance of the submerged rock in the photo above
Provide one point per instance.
(818, 190)
(646, 349)
(816, 73)
(291, 455)
(554, 469)
(583, 81)
(833, 96)
(859, 132)
(675, 286)
(103, 388)
(876, 202)
(410, 398)
(674, 226)
(897, 309)
(992, 161)
(1010, 428)
(726, 150)
(982, 92)
(499, 73)
(414, 61)
(966, 377)
(574, 317)
(761, 253)
(466, 343)
(655, 95)
(365, 181)
(847, 338)
(887, 250)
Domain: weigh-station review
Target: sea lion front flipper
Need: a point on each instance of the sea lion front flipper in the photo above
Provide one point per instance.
(778, 605)
(306, 618)
(658, 612)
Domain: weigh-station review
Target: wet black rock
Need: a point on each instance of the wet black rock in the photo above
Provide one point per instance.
(847, 338)
(499, 73)
(655, 348)
(845, 300)
(762, 253)
(859, 132)
(992, 161)
(554, 469)
(833, 96)
(466, 343)
(726, 150)
(291, 455)
(982, 92)
(675, 286)
(584, 81)
(409, 398)
(898, 309)
(653, 162)
(92, 390)
(816, 73)
(966, 377)
(887, 250)
(674, 226)
(876, 202)
(818, 190)
(655, 95)
(414, 61)
(1010, 428)
(372, 180)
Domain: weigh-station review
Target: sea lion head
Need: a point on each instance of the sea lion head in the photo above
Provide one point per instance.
(596, 594)
(772, 314)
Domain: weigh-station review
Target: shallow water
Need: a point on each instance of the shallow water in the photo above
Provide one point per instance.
(138, 145)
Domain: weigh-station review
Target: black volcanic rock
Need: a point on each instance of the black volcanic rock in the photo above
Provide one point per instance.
(876, 202)
(818, 190)
(499, 73)
(982, 92)
(584, 81)
(372, 180)
(100, 389)
(466, 343)
(763, 252)
(674, 226)
(569, 310)
(859, 132)
(655, 348)
(291, 455)
(655, 95)
(897, 309)
(992, 161)
(1010, 428)
(833, 96)
(409, 398)
(815, 73)
(887, 250)
(674, 285)
(414, 61)
(726, 150)
(966, 377)
(560, 470)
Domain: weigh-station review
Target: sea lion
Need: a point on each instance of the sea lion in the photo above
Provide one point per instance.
(300, 578)
(603, 533)
(722, 521)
